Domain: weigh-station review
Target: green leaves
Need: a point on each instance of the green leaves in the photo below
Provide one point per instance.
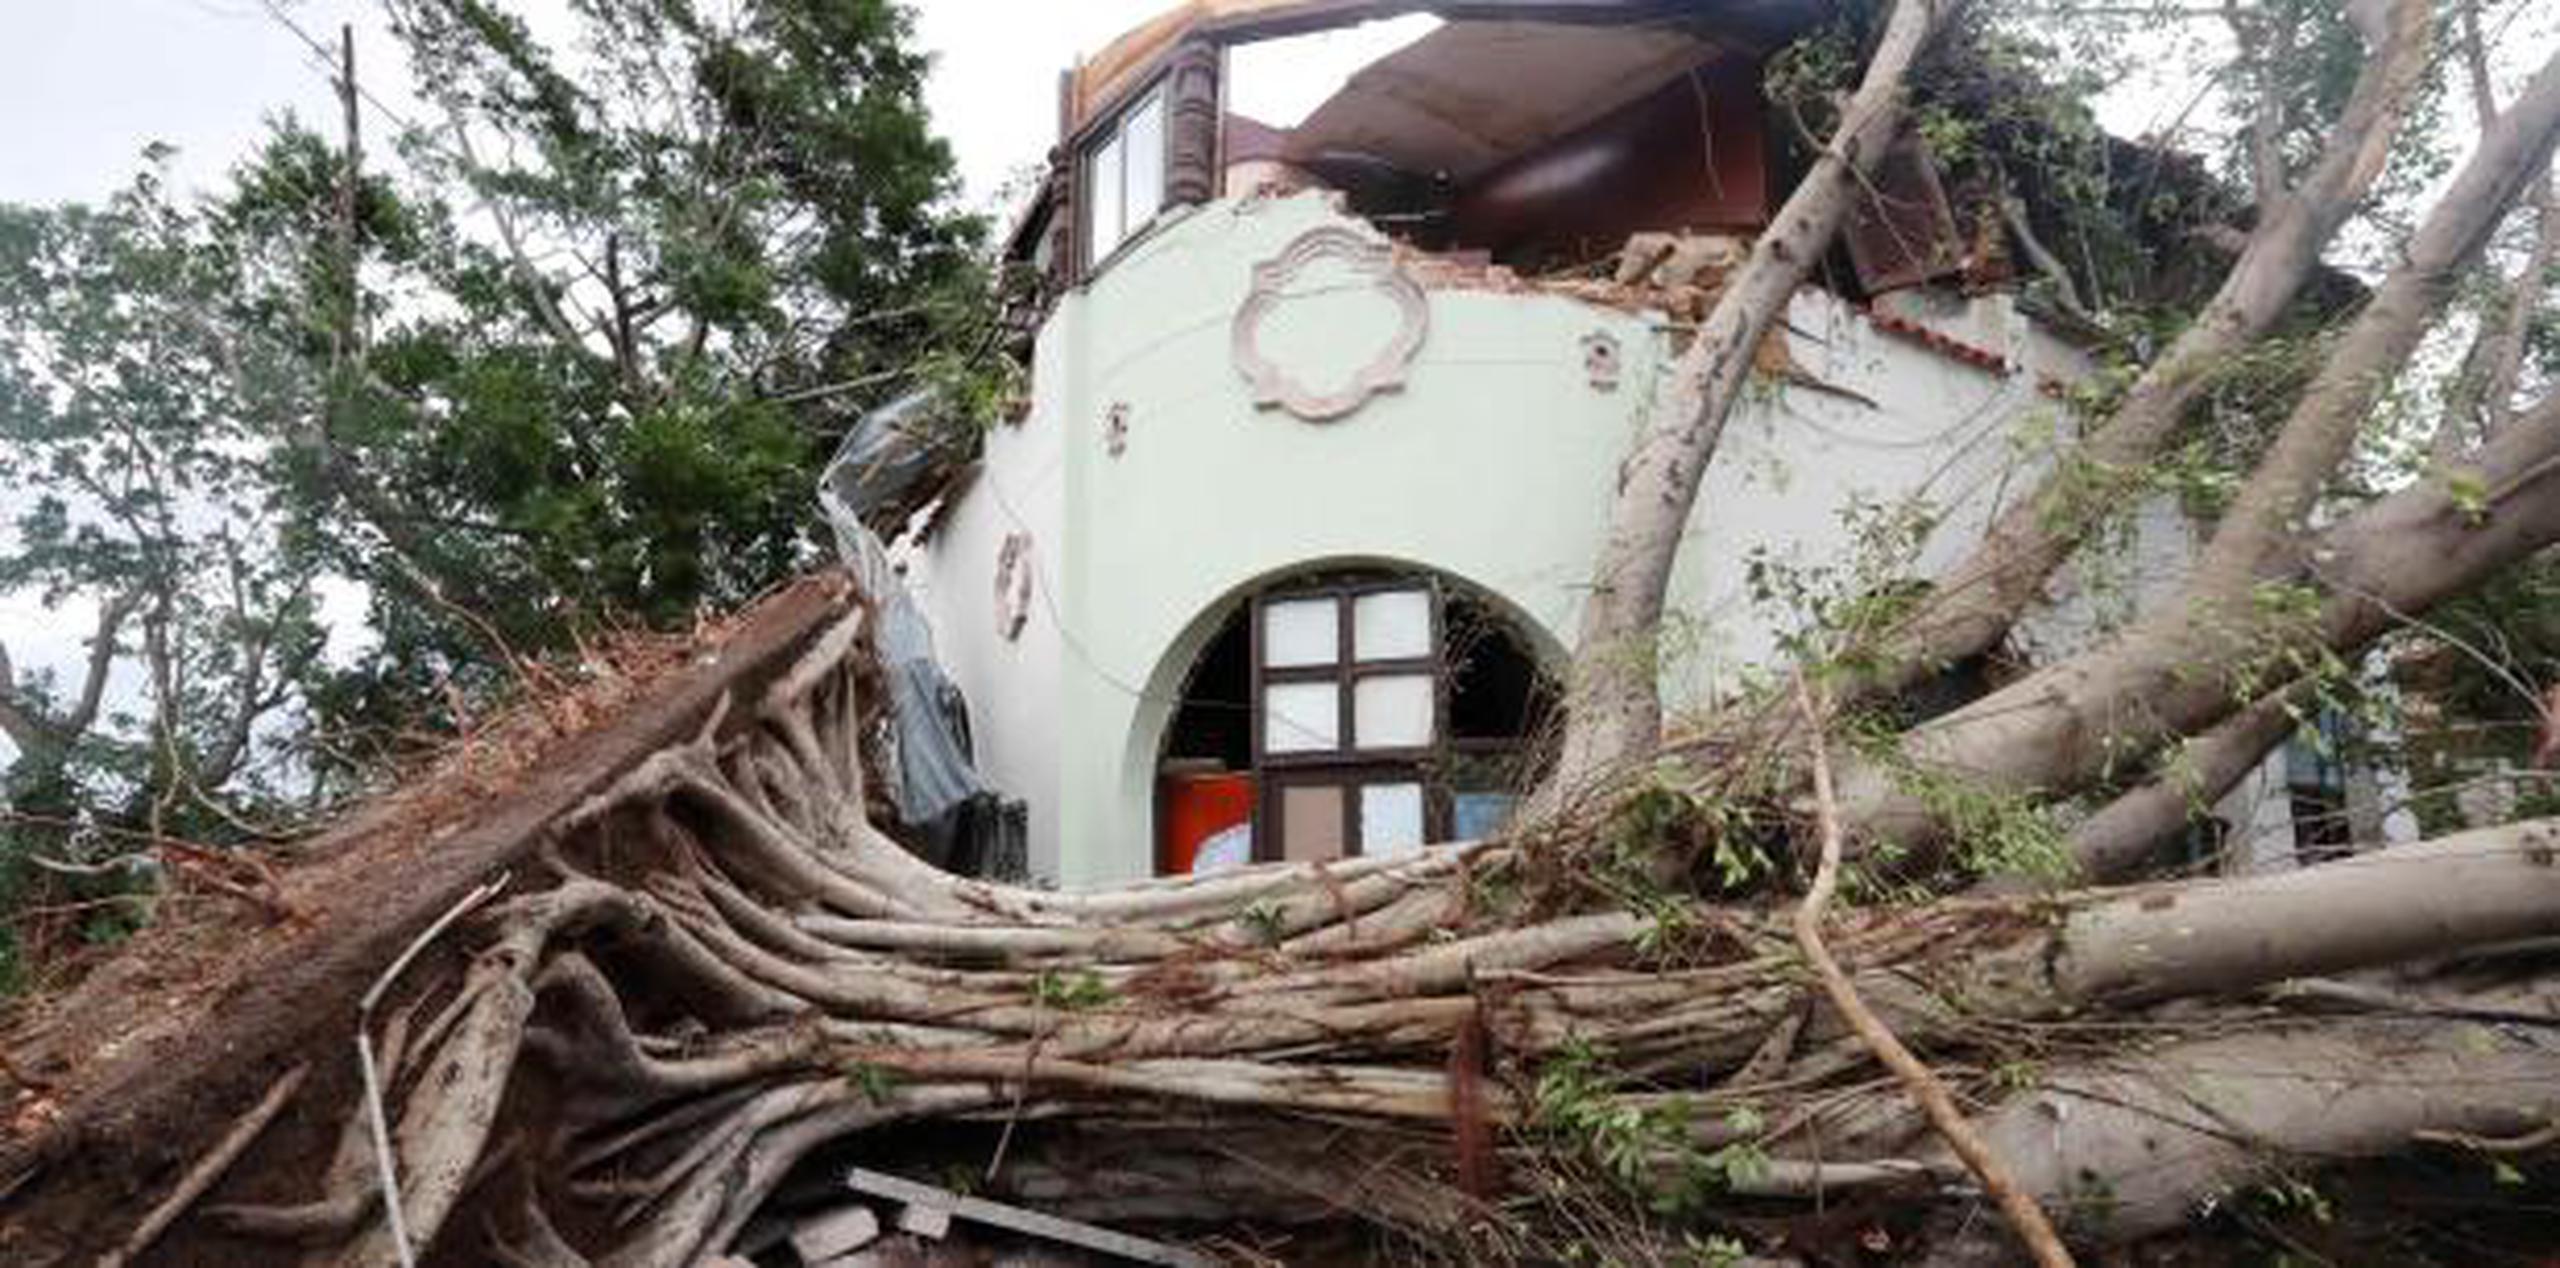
(1646, 1147)
(2470, 496)
(1075, 992)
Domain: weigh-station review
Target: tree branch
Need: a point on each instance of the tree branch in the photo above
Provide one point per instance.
(19, 722)
(1977, 601)
(2324, 424)
(27, 727)
(2197, 657)
(2024, 1216)
(2118, 841)
(1618, 710)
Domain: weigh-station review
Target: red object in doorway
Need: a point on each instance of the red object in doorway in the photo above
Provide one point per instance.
(1196, 808)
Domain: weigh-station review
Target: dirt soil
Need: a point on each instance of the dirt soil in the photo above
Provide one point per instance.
(111, 1085)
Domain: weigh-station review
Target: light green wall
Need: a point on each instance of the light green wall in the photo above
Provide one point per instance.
(1494, 463)
(1482, 466)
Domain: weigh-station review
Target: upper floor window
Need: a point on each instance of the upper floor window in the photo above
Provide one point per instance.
(1124, 177)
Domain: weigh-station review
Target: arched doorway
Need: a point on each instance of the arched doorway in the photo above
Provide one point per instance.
(1352, 711)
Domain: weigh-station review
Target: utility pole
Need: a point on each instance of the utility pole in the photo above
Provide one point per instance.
(346, 341)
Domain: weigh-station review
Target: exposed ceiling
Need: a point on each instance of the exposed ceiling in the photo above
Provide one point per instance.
(1471, 94)
(1100, 82)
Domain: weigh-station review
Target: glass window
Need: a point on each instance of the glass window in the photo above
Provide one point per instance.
(1102, 185)
(1142, 165)
(1301, 632)
(1391, 626)
(1479, 815)
(1301, 717)
(1390, 818)
(1124, 178)
(1391, 711)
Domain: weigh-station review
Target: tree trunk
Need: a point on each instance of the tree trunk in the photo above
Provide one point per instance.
(1616, 710)
(2128, 1146)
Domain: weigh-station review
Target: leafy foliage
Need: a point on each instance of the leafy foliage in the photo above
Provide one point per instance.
(133, 426)
(1645, 1147)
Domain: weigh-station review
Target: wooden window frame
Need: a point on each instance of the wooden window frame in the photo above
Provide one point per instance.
(1349, 766)
(1114, 127)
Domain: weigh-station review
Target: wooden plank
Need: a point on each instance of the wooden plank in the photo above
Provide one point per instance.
(1020, 1220)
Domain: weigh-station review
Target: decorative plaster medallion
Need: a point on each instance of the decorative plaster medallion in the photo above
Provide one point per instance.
(1600, 359)
(1115, 429)
(1384, 371)
(1013, 585)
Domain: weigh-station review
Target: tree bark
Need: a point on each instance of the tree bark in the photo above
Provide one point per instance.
(2138, 1144)
(1616, 709)
(2125, 837)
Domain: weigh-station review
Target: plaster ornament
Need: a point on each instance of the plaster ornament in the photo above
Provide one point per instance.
(1384, 371)
(1601, 360)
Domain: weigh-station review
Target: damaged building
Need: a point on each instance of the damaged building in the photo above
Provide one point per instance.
(1328, 392)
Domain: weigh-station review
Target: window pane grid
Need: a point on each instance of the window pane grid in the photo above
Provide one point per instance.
(1370, 652)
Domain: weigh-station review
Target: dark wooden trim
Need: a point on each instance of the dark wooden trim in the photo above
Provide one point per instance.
(1195, 114)
(1345, 739)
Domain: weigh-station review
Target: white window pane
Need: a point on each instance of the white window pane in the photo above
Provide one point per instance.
(1393, 626)
(1142, 142)
(1301, 632)
(1392, 711)
(1102, 185)
(1390, 818)
(1301, 717)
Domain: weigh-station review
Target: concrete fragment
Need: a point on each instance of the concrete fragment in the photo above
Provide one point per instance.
(833, 1233)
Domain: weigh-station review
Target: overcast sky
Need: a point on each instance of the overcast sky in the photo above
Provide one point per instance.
(85, 84)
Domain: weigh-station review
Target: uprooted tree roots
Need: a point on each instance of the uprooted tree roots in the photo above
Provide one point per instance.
(721, 971)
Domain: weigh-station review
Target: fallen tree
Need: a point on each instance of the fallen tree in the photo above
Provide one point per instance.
(654, 1002)
(617, 994)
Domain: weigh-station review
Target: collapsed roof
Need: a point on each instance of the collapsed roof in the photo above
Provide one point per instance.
(1105, 79)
